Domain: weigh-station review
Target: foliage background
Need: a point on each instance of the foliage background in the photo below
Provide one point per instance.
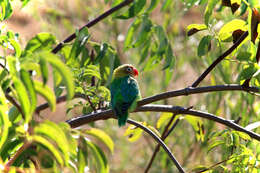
(63, 17)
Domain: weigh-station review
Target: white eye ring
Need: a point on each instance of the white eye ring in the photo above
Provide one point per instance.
(129, 69)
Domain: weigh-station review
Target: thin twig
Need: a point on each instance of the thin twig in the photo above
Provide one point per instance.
(18, 153)
(159, 141)
(93, 22)
(219, 59)
(102, 115)
(12, 100)
(212, 166)
(166, 128)
(91, 104)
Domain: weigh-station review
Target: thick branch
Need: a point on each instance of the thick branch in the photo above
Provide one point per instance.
(93, 22)
(76, 122)
(219, 59)
(159, 141)
(190, 90)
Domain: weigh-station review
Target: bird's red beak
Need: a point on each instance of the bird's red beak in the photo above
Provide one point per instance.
(135, 72)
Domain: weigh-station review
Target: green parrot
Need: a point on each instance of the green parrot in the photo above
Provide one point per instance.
(124, 92)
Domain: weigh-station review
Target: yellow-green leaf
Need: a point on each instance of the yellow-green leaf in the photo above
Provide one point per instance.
(47, 93)
(226, 31)
(133, 133)
(52, 131)
(49, 146)
(101, 135)
(5, 123)
(63, 70)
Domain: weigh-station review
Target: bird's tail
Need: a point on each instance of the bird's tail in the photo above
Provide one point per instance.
(122, 114)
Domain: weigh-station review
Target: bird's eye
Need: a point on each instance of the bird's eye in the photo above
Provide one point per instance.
(129, 69)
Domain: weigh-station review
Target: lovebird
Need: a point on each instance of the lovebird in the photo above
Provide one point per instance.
(124, 92)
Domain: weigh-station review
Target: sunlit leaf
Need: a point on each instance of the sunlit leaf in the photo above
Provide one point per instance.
(6, 9)
(63, 70)
(52, 131)
(102, 52)
(133, 10)
(99, 157)
(42, 41)
(20, 89)
(4, 120)
(197, 125)
(46, 92)
(133, 133)
(226, 31)
(52, 148)
(44, 70)
(102, 136)
(164, 118)
(27, 81)
(194, 28)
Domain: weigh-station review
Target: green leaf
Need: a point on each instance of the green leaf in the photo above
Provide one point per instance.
(44, 70)
(226, 31)
(16, 47)
(215, 144)
(166, 4)
(6, 9)
(27, 81)
(244, 56)
(204, 45)
(144, 32)
(248, 71)
(153, 4)
(99, 157)
(197, 125)
(102, 136)
(194, 28)
(130, 33)
(57, 155)
(46, 92)
(243, 135)
(4, 120)
(54, 132)
(20, 89)
(209, 9)
(101, 53)
(163, 41)
(79, 44)
(169, 58)
(63, 70)
(134, 9)
(42, 41)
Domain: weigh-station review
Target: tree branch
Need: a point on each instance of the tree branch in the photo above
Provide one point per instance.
(102, 115)
(93, 22)
(219, 59)
(159, 141)
(12, 100)
(17, 154)
(191, 90)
